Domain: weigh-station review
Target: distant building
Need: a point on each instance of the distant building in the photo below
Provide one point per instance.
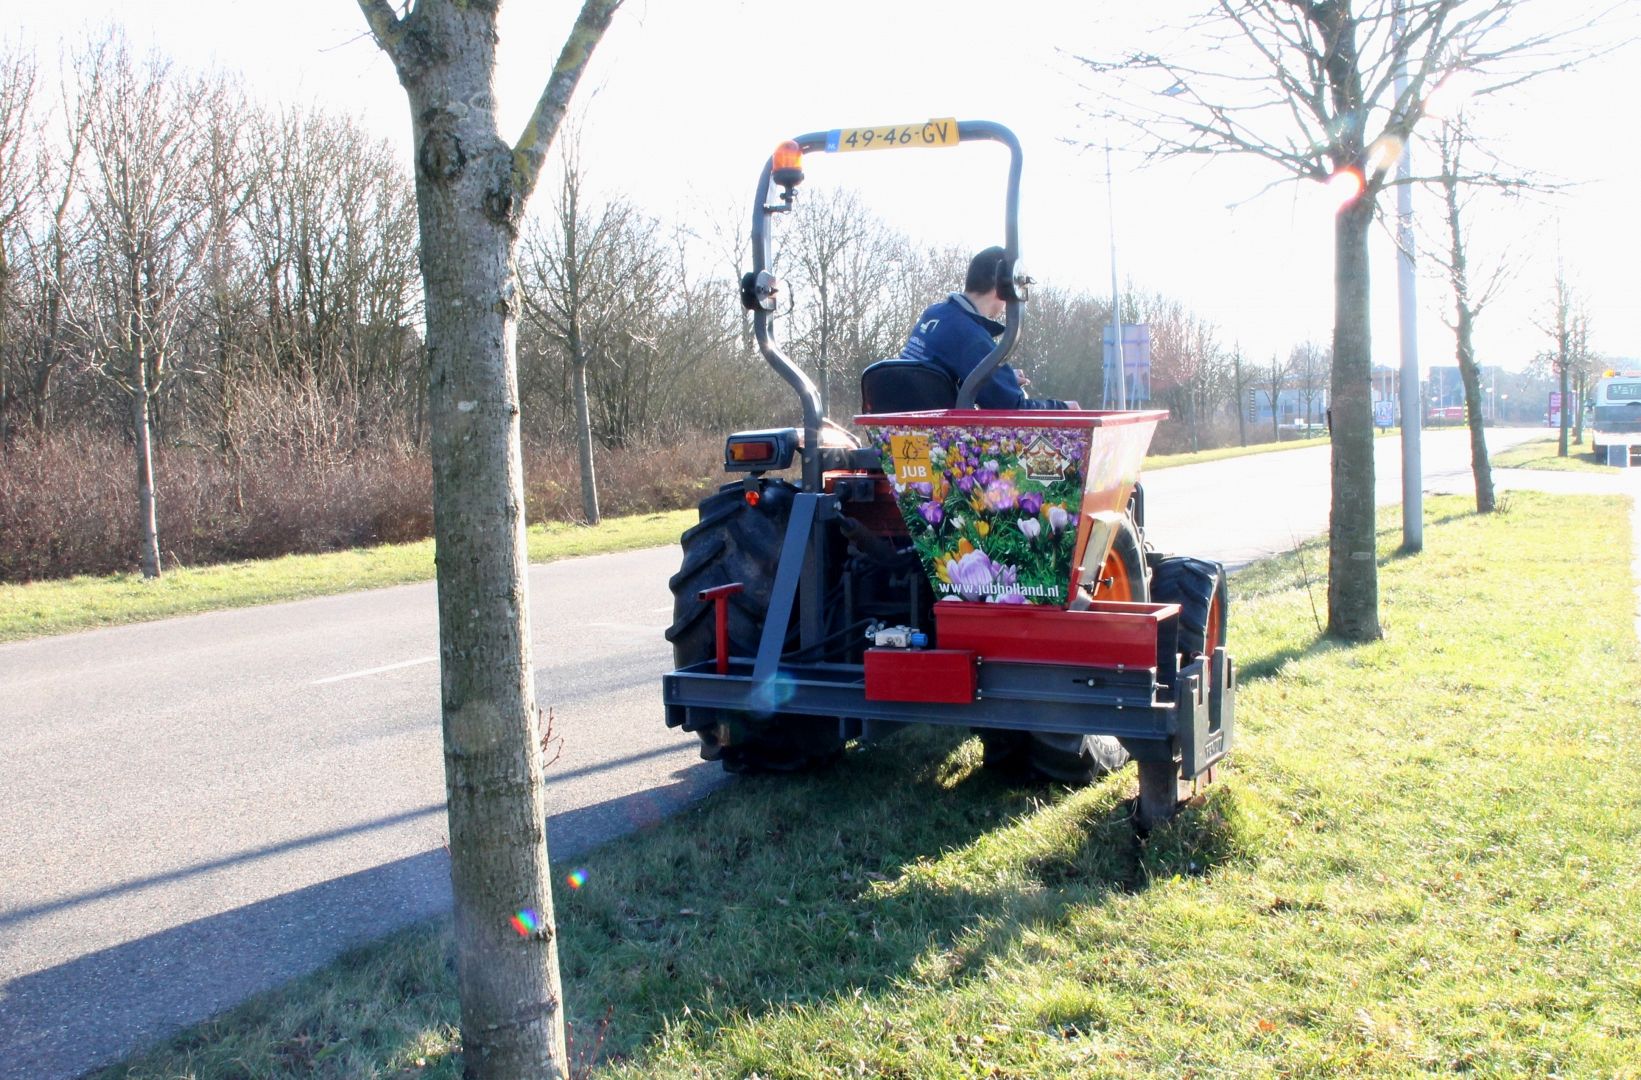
(1290, 406)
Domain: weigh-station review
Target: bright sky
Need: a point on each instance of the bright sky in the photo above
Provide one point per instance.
(683, 101)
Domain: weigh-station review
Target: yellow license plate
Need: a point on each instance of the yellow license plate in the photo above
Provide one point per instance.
(893, 137)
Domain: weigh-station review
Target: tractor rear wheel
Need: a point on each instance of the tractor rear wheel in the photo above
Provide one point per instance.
(1070, 758)
(735, 542)
(1198, 587)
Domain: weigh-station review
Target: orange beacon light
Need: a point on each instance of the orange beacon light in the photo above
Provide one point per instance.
(788, 166)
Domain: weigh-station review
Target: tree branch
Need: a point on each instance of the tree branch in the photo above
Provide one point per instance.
(386, 27)
(531, 150)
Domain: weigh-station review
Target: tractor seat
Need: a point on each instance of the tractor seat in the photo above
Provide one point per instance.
(906, 386)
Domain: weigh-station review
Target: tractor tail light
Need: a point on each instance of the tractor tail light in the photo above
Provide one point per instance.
(752, 452)
(760, 451)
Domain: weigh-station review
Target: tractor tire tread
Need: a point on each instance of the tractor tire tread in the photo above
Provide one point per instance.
(1193, 584)
(734, 542)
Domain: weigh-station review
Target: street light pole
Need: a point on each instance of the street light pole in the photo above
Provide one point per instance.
(1407, 305)
(1116, 297)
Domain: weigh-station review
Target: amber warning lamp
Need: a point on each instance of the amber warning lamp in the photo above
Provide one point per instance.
(788, 170)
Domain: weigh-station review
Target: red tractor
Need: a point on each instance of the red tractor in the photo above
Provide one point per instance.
(957, 566)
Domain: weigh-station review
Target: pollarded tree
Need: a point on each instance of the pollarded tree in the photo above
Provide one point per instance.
(146, 211)
(19, 187)
(1060, 347)
(1272, 379)
(1561, 324)
(1471, 293)
(1326, 90)
(1586, 362)
(1311, 366)
(471, 190)
(52, 264)
(842, 257)
(586, 284)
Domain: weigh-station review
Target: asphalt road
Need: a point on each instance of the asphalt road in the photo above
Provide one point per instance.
(201, 808)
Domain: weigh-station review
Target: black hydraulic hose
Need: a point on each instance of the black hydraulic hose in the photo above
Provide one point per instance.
(1014, 319)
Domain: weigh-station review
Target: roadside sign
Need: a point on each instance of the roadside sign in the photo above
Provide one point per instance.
(1384, 413)
(1136, 355)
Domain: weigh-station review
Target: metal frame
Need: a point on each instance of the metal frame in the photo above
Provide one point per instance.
(812, 582)
(1189, 718)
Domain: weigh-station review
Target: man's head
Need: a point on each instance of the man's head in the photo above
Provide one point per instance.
(980, 284)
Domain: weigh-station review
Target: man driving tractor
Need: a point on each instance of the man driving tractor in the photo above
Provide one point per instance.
(958, 332)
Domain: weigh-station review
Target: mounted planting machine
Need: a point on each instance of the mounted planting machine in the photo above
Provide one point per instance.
(982, 569)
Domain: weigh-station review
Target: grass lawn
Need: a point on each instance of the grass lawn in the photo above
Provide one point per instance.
(55, 607)
(1154, 462)
(1541, 454)
(1426, 858)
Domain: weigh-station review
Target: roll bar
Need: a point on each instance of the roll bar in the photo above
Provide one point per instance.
(760, 283)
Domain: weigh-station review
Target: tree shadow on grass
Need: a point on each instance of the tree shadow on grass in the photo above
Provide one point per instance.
(1388, 536)
(1266, 665)
(904, 862)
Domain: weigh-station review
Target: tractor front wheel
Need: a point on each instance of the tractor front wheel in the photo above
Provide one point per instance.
(735, 542)
(1198, 587)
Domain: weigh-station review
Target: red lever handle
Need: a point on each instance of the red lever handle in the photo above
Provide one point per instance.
(720, 610)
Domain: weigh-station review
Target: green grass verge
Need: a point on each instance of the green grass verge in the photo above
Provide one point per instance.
(1197, 457)
(1541, 454)
(1425, 858)
(1154, 462)
(55, 607)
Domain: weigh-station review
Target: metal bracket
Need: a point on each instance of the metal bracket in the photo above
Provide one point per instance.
(1207, 712)
(779, 617)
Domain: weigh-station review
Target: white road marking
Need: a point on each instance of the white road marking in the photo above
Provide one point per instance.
(377, 670)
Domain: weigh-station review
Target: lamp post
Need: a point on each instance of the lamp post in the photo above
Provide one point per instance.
(1407, 304)
(1116, 296)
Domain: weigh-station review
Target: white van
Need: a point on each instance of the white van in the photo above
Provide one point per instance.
(1616, 411)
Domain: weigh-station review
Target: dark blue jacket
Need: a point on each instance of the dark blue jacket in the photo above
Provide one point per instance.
(955, 336)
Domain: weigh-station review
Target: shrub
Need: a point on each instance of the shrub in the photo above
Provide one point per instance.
(68, 500)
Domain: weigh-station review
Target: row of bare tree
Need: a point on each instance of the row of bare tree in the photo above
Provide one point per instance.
(182, 266)
(175, 257)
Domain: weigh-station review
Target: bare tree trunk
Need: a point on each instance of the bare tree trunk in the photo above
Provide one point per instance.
(1470, 374)
(493, 777)
(1561, 363)
(1353, 572)
(1241, 426)
(8, 393)
(1465, 310)
(584, 437)
(471, 190)
(148, 532)
(1578, 410)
